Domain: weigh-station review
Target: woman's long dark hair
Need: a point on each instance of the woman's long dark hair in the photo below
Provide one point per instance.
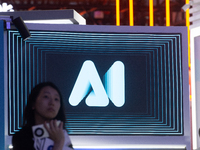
(28, 117)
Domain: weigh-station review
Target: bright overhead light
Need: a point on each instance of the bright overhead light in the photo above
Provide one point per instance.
(5, 7)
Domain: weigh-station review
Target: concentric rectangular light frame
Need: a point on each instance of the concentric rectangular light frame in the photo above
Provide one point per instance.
(156, 43)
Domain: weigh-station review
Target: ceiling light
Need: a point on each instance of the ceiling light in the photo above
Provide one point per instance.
(5, 7)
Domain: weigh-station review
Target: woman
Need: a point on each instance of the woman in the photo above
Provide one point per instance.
(44, 107)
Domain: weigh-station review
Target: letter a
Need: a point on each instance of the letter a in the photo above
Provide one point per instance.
(89, 76)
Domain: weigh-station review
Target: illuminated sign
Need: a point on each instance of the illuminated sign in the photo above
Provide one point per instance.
(111, 83)
(89, 77)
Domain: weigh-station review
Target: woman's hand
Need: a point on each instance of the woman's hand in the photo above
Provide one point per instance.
(56, 134)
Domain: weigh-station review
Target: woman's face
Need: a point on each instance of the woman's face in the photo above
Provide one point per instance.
(47, 104)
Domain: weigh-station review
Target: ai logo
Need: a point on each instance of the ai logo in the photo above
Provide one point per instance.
(99, 96)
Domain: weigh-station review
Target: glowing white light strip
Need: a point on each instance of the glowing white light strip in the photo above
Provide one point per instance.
(129, 147)
(194, 33)
(133, 146)
(57, 21)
